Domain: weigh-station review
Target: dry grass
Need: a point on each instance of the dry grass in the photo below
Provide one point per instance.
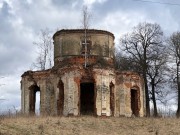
(89, 126)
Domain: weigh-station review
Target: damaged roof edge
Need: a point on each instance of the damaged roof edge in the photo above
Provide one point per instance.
(30, 72)
(81, 31)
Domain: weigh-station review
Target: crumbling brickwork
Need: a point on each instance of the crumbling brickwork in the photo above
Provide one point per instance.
(71, 88)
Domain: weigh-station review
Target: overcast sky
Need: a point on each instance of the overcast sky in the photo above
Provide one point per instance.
(21, 21)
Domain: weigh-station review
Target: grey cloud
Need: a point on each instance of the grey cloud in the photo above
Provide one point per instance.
(16, 47)
(5, 15)
(68, 4)
(10, 92)
(165, 15)
(15, 51)
(53, 15)
(5, 9)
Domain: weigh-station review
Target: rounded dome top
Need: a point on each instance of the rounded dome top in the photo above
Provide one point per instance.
(90, 31)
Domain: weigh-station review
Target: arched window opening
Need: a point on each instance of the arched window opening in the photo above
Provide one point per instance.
(34, 100)
(60, 100)
(37, 103)
(112, 102)
(135, 102)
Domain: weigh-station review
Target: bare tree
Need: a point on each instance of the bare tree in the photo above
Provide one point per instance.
(174, 43)
(86, 18)
(125, 63)
(156, 72)
(140, 45)
(85, 23)
(45, 50)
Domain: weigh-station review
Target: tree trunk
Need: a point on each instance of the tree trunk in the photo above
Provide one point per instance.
(154, 98)
(178, 84)
(178, 110)
(147, 96)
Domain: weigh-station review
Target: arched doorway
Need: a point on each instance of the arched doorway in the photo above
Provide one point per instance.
(60, 100)
(135, 101)
(112, 103)
(34, 107)
(87, 98)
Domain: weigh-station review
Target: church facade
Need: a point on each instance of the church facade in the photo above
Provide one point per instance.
(83, 80)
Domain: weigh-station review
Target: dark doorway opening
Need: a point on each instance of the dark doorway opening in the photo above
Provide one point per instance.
(60, 101)
(33, 98)
(87, 98)
(111, 86)
(134, 102)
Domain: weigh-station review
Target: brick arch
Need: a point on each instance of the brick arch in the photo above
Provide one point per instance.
(135, 100)
(60, 100)
(32, 97)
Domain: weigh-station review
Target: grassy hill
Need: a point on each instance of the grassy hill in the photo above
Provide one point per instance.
(87, 125)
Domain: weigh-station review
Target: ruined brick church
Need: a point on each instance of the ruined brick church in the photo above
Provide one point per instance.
(83, 80)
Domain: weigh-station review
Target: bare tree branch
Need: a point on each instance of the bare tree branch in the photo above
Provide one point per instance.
(141, 47)
(45, 50)
(174, 44)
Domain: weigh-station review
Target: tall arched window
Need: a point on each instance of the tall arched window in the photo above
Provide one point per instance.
(60, 101)
(112, 101)
(34, 107)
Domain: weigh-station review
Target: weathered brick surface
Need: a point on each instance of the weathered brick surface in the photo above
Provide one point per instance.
(60, 87)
